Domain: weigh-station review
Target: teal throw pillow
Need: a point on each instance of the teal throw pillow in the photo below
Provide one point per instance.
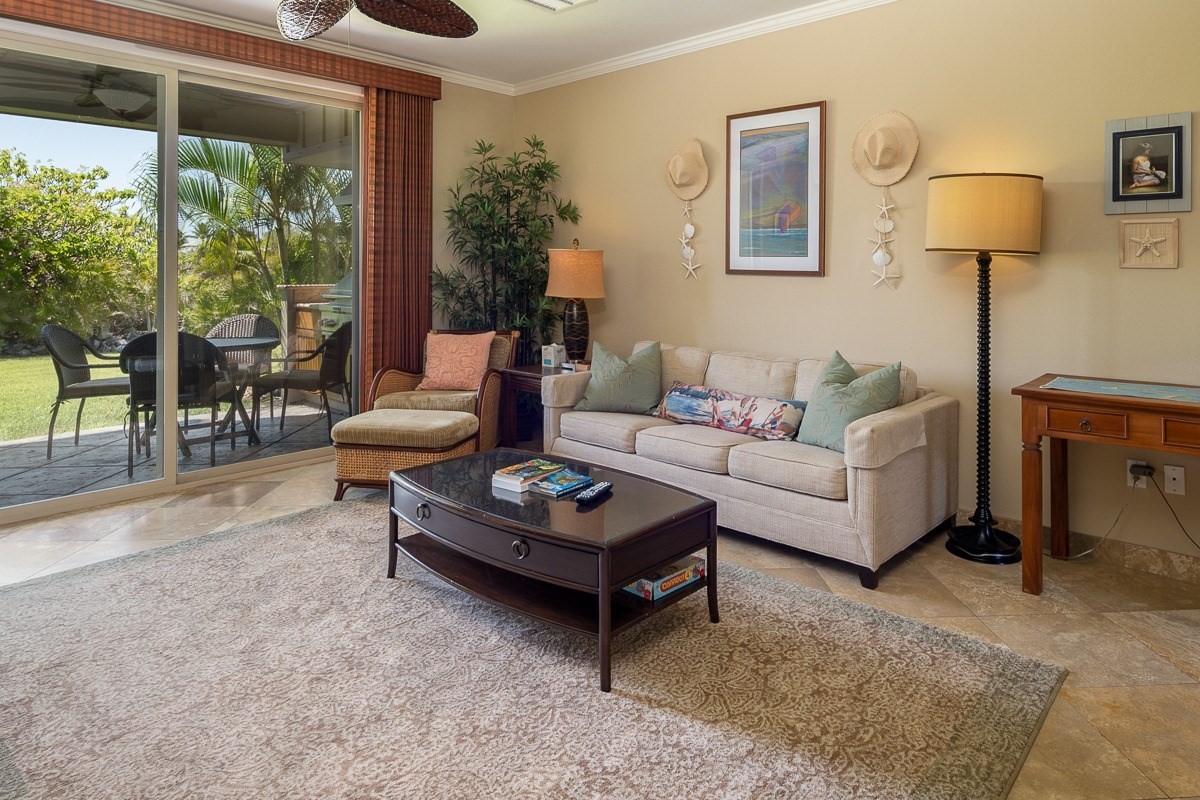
(632, 386)
(841, 397)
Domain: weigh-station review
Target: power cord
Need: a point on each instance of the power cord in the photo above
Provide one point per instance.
(1171, 508)
(1111, 528)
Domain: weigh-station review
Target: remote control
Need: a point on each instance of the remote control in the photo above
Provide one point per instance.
(594, 494)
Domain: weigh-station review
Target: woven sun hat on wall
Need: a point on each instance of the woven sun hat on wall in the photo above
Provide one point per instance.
(885, 147)
(687, 172)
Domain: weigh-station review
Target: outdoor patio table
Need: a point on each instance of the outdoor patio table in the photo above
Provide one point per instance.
(231, 344)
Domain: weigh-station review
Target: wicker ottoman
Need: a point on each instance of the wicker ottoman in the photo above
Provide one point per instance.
(368, 446)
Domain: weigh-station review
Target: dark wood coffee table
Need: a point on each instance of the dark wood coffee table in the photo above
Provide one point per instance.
(549, 558)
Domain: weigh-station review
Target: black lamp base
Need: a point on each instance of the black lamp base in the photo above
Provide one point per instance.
(575, 329)
(983, 543)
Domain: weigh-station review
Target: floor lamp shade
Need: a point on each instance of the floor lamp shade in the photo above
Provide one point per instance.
(575, 274)
(984, 214)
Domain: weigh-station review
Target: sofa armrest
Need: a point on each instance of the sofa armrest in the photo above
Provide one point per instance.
(879, 438)
(560, 393)
(567, 389)
(902, 473)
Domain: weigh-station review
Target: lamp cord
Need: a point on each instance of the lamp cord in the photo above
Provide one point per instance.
(1171, 508)
(1111, 528)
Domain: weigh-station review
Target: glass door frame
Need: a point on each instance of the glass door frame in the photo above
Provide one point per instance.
(171, 68)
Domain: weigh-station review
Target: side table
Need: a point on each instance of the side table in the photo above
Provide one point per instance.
(519, 379)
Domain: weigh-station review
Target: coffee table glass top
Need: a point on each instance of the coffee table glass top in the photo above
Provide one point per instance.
(634, 505)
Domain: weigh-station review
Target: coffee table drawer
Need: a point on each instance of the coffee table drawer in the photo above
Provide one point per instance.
(513, 550)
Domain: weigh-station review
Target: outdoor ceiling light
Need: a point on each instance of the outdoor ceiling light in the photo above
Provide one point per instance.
(123, 101)
(304, 19)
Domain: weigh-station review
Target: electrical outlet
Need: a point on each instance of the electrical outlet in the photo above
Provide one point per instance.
(1136, 481)
(1174, 479)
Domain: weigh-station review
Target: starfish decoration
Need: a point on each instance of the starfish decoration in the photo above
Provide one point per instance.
(885, 277)
(691, 270)
(1148, 242)
(885, 207)
(683, 240)
(880, 241)
(687, 208)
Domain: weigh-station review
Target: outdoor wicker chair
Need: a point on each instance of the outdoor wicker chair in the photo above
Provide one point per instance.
(258, 361)
(332, 373)
(204, 382)
(69, 353)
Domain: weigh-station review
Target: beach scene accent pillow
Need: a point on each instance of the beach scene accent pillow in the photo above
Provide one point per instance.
(717, 408)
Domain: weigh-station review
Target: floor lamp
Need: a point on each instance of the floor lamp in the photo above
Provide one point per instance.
(985, 214)
(576, 274)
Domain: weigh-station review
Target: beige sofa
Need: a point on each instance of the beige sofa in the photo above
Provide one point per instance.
(897, 480)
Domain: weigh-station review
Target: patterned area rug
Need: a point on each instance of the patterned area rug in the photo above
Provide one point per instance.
(277, 661)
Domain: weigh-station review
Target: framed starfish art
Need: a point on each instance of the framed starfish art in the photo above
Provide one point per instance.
(1149, 243)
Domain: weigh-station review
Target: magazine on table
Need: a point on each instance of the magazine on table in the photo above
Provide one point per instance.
(518, 476)
(561, 483)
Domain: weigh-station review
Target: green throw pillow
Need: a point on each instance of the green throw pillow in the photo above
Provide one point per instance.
(632, 386)
(841, 397)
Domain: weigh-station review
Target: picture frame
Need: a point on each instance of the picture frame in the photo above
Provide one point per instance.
(1148, 243)
(775, 192)
(1148, 164)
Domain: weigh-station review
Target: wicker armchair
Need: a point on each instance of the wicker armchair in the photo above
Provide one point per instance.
(240, 361)
(70, 352)
(331, 373)
(435, 421)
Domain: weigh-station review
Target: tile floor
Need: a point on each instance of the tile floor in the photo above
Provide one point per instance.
(1126, 725)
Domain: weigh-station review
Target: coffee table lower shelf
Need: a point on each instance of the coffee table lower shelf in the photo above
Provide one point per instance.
(571, 609)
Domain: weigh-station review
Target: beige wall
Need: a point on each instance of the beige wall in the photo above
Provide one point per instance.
(1016, 86)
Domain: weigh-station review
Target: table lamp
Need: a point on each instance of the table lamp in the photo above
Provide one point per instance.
(575, 274)
(984, 213)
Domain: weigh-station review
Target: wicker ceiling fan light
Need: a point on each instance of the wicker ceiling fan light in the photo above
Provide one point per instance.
(304, 19)
(431, 17)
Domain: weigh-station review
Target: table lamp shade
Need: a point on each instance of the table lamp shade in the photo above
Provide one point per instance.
(576, 273)
(988, 212)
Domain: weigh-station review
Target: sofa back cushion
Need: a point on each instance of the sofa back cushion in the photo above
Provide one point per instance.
(808, 370)
(752, 373)
(682, 364)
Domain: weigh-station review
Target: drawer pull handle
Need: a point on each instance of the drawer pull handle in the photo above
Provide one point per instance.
(520, 549)
(423, 511)
(1085, 425)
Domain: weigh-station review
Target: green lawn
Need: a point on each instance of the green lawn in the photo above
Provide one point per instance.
(28, 387)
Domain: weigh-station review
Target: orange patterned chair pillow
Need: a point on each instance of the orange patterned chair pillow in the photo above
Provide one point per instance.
(456, 361)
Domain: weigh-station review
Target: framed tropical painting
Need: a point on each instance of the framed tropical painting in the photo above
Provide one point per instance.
(775, 195)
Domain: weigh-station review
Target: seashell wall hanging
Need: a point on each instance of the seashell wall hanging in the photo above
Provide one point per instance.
(883, 151)
(687, 176)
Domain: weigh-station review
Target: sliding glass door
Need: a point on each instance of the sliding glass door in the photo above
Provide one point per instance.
(177, 274)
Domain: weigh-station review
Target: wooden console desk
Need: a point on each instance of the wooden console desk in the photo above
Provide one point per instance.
(1167, 425)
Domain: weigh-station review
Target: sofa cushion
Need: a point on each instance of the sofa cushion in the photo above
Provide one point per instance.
(692, 446)
(841, 397)
(683, 364)
(434, 400)
(798, 467)
(719, 408)
(607, 429)
(808, 371)
(751, 373)
(623, 386)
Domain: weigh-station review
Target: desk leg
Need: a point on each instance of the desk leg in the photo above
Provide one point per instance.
(1031, 516)
(1060, 534)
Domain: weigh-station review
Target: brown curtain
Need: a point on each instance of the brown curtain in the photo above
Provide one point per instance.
(396, 304)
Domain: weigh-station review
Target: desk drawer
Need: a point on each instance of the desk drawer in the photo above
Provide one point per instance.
(1181, 432)
(1094, 423)
(517, 551)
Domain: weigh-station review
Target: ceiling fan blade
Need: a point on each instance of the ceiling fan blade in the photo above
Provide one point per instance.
(430, 17)
(88, 100)
(304, 19)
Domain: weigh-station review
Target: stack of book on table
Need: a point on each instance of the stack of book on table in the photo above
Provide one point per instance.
(518, 477)
(560, 483)
(667, 580)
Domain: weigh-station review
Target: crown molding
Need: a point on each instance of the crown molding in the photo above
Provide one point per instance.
(746, 30)
(268, 32)
(776, 22)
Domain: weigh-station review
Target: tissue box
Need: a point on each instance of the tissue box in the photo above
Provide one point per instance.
(553, 355)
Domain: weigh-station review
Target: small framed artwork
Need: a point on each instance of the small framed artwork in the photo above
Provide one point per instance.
(775, 195)
(1148, 164)
(1149, 244)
